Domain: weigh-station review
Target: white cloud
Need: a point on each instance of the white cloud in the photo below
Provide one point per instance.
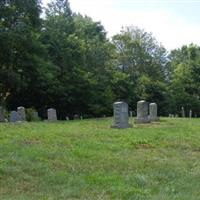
(169, 28)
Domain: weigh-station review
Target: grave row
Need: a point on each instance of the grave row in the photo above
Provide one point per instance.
(20, 115)
(146, 113)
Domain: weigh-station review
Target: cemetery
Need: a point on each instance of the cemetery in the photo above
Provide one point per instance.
(93, 106)
(143, 157)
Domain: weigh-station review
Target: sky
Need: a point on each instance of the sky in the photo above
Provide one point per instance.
(172, 22)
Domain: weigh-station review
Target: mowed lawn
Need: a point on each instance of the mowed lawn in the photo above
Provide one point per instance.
(87, 159)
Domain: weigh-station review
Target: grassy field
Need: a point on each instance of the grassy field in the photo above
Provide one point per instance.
(89, 160)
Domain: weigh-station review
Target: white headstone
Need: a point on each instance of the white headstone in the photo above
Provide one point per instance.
(21, 114)
(183, 112)
(51, 115)
(190, 114)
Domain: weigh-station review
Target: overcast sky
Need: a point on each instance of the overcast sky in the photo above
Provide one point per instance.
(172, 22)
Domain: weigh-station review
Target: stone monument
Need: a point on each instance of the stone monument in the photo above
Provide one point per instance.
(21, 114)
(153, 112)
(120, 115)
(51, 115)
(183, 112)
(35, 116)
(142, 112)
(190, 114)
(14, 116)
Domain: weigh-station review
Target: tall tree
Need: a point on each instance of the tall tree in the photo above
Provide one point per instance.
(20, 53)
(143, 61)
(97, 64)
(185, 83)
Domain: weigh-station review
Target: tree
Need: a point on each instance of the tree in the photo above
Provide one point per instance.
(97, 64)
(185, 83)
(20, 53)
(139, 55)
(78, 47)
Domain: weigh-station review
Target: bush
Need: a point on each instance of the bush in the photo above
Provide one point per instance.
(32, 115)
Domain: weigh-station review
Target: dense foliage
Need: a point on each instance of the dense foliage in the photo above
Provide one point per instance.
(66, 61)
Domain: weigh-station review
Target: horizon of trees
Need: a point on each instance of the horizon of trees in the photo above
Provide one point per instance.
(66, 61)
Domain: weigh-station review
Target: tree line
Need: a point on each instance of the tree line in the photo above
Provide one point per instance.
(66, 61)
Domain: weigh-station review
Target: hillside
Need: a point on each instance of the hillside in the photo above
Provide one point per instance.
(87, 159)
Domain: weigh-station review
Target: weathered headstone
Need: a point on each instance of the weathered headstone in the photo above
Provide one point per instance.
(14, 116)
(190, 114)
(35, 116)
(2, 119)
(183, 112)
(120, 115)
(142, 112)
(51, 115)
(153, 112)
(21, 114)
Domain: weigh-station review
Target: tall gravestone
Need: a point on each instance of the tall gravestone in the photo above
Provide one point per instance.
(190, 114)
(2, 119)
(120, 115)
(21, 114)
(14, 116)
(183, 112)
(51, 115)
(35, 116)
(153, 112)
(142, 112)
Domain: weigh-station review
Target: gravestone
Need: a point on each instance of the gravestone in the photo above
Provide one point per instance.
(190, 114)
(14, 116)
(51, 115)
(153, 112)
(142, 112)
(35, 116)
(183, 112)
(120, 115)
(2, 119)
(21, 114)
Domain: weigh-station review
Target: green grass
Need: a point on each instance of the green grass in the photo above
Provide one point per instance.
(89, 160)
